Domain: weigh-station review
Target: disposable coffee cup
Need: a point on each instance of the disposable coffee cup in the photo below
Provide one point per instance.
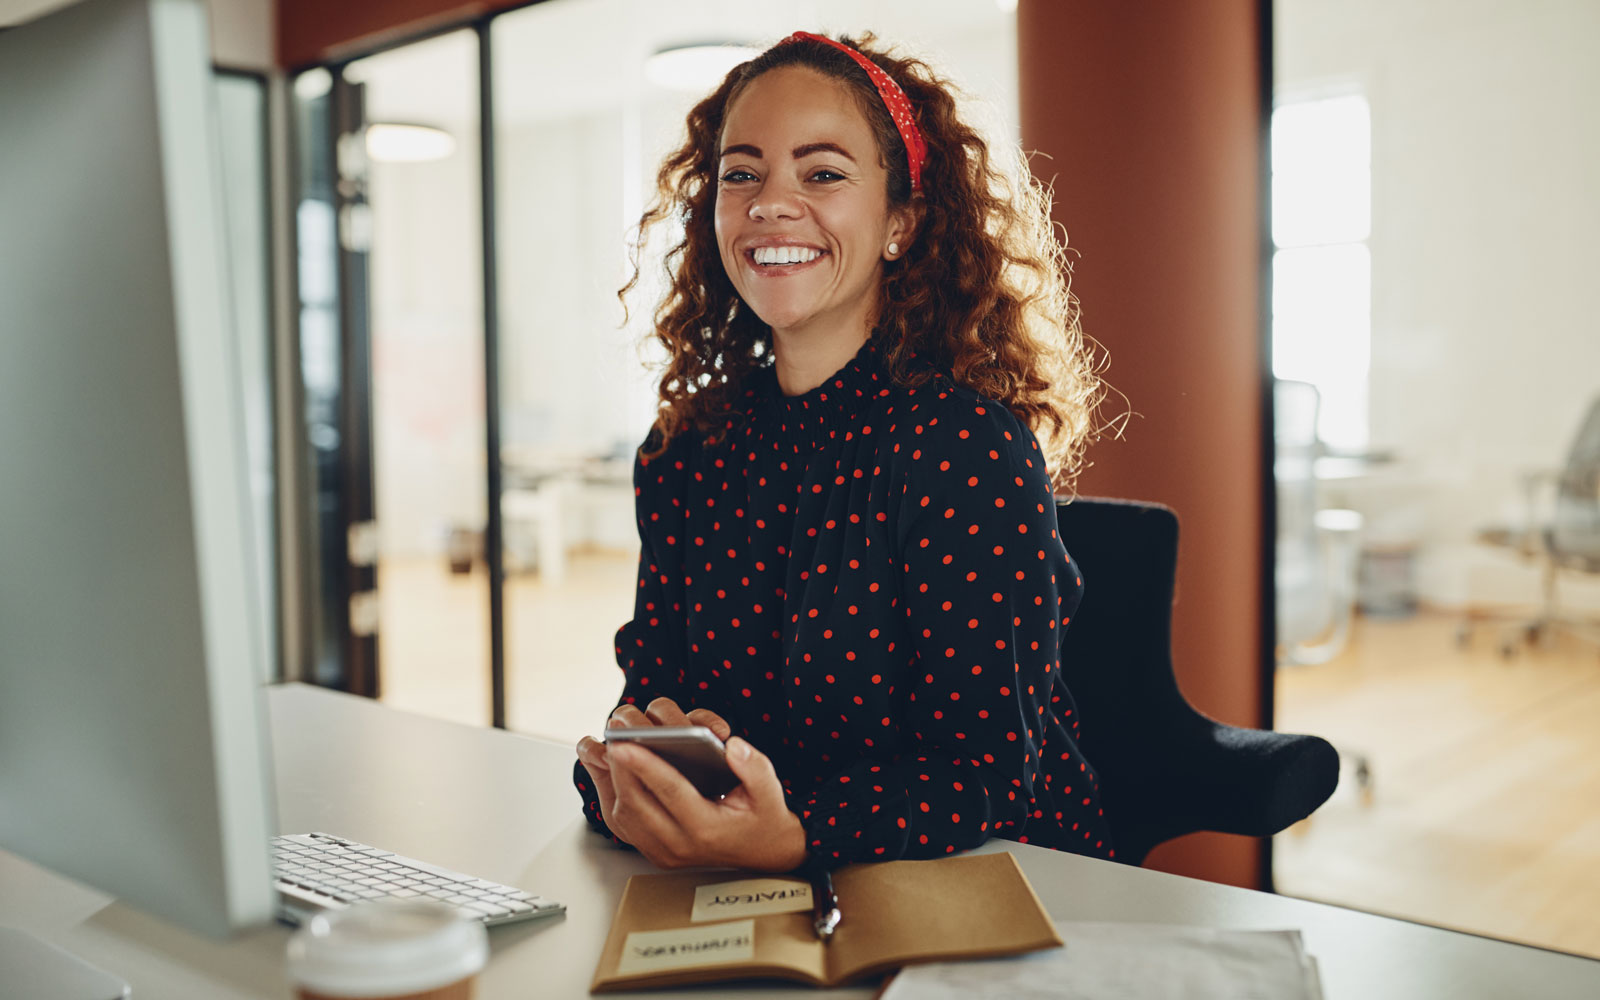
(389, 949)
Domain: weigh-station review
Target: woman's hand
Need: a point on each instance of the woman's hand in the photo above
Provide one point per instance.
(673, 825)
(595, 756)
(647, 803)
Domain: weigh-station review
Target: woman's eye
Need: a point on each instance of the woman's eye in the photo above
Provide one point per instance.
(827, 175)
(735, 176)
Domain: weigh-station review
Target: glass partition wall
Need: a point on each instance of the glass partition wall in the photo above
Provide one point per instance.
(490, 591)
(1434, 203)
(424, 243)
(575, 399)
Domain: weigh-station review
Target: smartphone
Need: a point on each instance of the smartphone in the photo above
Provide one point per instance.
(694, 750)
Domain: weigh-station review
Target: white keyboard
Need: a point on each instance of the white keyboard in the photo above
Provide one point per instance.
(316, 871)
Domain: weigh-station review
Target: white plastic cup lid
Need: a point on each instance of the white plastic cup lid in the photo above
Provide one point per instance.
(386, 947)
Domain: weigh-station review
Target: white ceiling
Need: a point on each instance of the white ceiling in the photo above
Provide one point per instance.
(564, 58)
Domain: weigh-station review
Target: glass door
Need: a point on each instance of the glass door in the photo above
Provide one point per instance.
(421, 224)
(334, 374)
(575, 399)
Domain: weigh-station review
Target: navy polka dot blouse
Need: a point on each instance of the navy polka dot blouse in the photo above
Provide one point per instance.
(865, 580)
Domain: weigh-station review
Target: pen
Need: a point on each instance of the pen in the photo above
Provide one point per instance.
(825, 915)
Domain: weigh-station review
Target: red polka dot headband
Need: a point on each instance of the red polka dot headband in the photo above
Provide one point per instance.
(894, 99)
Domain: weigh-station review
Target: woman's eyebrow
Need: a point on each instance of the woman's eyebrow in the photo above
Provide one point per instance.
(799, 152)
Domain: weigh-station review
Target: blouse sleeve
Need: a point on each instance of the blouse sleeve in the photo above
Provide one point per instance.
(979, 564)
(651, 647)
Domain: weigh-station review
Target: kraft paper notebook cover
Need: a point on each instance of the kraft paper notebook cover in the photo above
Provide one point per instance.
(739, 926)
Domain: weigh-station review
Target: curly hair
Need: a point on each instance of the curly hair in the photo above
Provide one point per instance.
(982, 294)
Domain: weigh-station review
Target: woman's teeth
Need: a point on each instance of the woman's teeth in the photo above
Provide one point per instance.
(785, 255)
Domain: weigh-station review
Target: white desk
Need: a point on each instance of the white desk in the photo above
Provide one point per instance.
(502, 806)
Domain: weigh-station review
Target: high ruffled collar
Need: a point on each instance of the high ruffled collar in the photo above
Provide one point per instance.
(822, 413)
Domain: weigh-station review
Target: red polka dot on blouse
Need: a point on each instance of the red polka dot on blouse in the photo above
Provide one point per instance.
(866, 581)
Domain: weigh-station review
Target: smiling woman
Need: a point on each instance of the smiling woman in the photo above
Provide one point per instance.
(850, 565)
(979, 291)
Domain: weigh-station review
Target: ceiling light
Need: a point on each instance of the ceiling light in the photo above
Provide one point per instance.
(312, 84)
(698, 66)
(393, 142)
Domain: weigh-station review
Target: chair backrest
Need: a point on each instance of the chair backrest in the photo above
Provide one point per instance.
(1306, 603)
(1575, 527)
(1116, 652)
(1296, 407)
(1165, 769)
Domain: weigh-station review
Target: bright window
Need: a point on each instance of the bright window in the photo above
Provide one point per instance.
(1321, 268)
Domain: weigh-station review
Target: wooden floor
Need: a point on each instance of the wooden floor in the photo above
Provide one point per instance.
(561, 674)
(1484, 808)
(1483, 814)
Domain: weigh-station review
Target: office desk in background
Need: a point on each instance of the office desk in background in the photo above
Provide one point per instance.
(502, 807)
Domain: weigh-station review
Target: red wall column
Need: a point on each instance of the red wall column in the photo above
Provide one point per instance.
(1150, 115)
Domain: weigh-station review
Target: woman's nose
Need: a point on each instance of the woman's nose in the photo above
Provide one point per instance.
(775, 201)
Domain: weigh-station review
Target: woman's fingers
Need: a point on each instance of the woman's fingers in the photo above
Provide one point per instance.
(604, 789)
(774, 840)
(665, 712)
(755, 772)
(605, 795)
(712, 721)
(668, 786)
(593, 753)
(627, 717)
(651, 827)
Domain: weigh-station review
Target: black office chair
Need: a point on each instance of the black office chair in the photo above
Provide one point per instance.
(1165, 769)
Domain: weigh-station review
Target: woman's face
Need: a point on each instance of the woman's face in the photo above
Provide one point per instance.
(803, 220)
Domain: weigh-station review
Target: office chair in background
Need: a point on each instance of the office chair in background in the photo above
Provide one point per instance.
(1165, 769)
(1317, 549)
(1561, 530)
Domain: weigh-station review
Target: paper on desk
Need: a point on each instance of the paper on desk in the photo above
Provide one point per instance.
(1110, 961)
(688, 947)
(749, 897)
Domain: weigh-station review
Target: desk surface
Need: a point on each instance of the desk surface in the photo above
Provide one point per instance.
(502, 807)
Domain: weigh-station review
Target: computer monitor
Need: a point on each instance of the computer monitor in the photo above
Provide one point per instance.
(133, 751)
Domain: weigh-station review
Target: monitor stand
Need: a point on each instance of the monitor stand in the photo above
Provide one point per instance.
(37, 968)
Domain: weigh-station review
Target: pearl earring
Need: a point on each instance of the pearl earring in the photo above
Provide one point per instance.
(894, 248)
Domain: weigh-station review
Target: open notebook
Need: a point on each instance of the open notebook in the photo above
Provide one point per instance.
(699, 927)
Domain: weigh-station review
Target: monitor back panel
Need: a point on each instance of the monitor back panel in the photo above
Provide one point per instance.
(132, 748)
